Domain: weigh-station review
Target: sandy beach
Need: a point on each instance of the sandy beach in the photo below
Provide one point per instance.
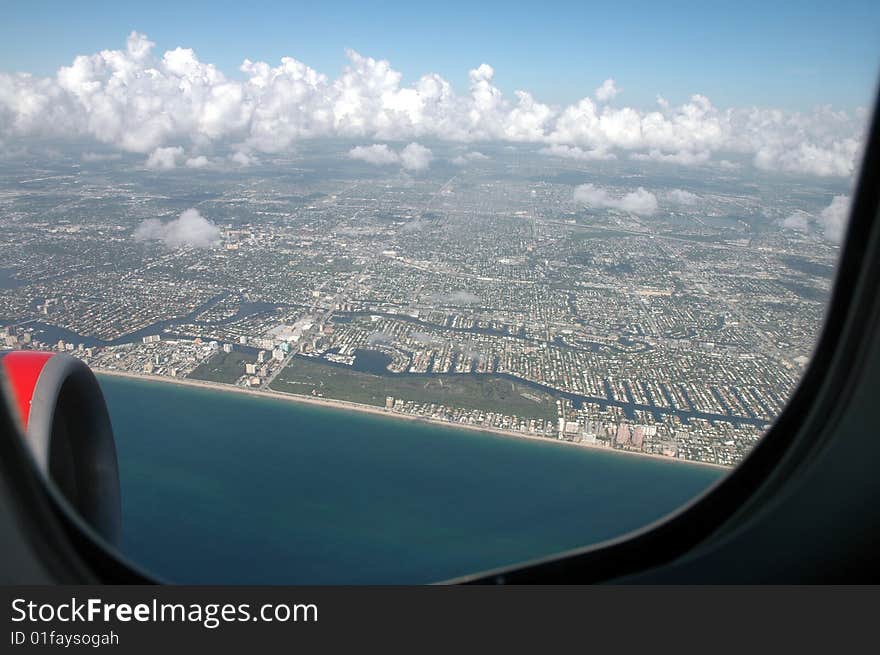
(370, 409)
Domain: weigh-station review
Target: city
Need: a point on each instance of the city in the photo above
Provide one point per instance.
(503, 288)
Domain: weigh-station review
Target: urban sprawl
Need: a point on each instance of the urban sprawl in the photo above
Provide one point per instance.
(485, 295)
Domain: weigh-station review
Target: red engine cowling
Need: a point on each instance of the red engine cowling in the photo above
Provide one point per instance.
(64, 421)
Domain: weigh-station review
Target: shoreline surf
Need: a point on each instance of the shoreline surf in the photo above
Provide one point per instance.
(329, 403)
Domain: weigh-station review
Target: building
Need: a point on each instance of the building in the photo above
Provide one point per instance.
(622, 437)
(638, 437)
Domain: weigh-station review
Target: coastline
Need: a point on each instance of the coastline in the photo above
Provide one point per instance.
(330, 403)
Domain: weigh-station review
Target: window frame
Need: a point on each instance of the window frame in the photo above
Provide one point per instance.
(68, 551)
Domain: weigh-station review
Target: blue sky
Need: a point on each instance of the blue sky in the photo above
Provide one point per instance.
(793, 56)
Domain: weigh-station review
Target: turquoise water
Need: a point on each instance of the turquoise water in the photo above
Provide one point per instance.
(221, 487)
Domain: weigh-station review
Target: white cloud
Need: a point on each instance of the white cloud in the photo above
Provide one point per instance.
(137, 100)
(243, 159)
(197, 162)
(834, 218)
(414, 157)
(164, 158)
(574, 152)
(681, 197)
(798, 221)
(837, 159)
(378, 154)
(188, 229)
(469, 157)
(826, 143)
(607, 91)
(640, 201)
(683, 157)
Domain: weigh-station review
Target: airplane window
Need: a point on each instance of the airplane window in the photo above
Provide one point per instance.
(373, 309)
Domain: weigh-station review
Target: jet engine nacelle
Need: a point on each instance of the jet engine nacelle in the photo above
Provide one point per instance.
(63, 418)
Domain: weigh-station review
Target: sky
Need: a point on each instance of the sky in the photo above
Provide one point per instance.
(793, 56)
(202, 85)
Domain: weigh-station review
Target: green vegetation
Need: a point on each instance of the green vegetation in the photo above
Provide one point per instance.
(808, 266)
(805, 291)
(222, 367)
(487, 393)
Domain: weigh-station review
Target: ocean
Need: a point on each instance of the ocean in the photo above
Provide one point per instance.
(219, 487)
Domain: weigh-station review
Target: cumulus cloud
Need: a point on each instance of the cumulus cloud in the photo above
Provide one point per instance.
(414, 157)
(607, 91)
(682, 157)
(378, 154)
(164, 158)
(681, 197)
(243, 159)
(798, 221)
(640, 201)
(469, 157)
(575, 152)
(834, 218)
(197, 162)
(188, 229)
(138, 100)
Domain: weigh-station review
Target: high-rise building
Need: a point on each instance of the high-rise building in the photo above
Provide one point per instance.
(638, 437)
(622, 437)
